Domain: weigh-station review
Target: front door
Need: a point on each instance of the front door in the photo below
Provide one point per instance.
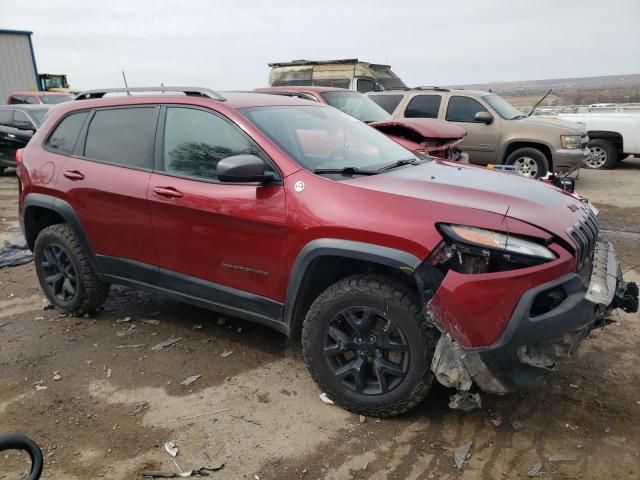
(482, 139)
(217, 241)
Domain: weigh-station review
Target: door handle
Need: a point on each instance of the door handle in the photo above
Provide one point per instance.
(73, 175)
(167, 192)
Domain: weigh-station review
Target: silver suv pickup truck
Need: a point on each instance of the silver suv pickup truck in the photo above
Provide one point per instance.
(497, 132)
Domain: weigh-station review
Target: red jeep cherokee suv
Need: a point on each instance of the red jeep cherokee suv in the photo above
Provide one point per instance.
(286, 212)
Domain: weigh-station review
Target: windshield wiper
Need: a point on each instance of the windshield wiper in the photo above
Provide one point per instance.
(346, 170)
(400, 163)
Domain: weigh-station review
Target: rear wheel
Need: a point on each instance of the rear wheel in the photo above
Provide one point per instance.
(368, 346)
(603, 155)
(64, 272)
(528, 162)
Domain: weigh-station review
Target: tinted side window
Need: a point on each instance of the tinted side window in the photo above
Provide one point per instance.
(388, 102)
(20, 120)
(463, 109)
(365, 85)
(64, 137)
(31, 99)
(195, 141)
(5, 117)
(124, 136)
(17, 99)
(423, 106)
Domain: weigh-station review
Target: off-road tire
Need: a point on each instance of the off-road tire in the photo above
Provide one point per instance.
(534, 154)
(90, 291)
(607, 149)
(401, 305)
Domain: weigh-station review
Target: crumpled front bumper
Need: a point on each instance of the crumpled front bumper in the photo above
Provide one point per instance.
(532, 344)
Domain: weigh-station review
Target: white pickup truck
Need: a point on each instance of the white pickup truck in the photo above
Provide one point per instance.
(613, 136)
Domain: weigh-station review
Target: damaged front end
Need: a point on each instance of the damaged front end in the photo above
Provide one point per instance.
(509, 308)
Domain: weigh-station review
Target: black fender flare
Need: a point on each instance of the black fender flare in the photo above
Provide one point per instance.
(66, 211)
(334, 247)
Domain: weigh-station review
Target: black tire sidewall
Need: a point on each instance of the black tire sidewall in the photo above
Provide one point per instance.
(402, 319)
(535, 154)
(45, 239)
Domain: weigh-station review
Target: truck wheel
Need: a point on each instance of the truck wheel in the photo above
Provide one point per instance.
(65, 275)
(529, 162)
(368, 346)
(603, 155)
(622, 156)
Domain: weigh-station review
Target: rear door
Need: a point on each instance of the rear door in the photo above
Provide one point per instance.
(105, 181)
(211, 235)
(482, 140)
(7, 153)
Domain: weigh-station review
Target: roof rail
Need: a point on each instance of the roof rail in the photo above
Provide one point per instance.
(432, 87)
(189, 91)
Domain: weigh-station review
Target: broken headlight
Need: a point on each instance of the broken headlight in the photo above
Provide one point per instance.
(477, 250)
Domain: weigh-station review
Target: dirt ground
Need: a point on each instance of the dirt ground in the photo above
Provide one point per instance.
(111, 402)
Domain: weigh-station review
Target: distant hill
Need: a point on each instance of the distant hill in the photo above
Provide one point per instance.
(567, 91)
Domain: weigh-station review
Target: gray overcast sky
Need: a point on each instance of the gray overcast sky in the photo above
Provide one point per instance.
(227, 44)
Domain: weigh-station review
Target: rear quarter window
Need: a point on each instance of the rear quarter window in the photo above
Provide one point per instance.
(388, 102)
(124, 136)
(423, 106)
(64, 136)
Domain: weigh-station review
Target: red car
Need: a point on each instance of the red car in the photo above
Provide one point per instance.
(428, 136)
(48, 98)
(394, 269)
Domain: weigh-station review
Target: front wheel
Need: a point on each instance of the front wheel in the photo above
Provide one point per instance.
(603, 155)
(528, 162)
(368, 346)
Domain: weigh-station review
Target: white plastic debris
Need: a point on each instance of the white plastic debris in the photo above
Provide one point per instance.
(227, 353)
(460, 455)
(167, 343)
(325, 399)
(535, 469)
(189, 380)
(171, 449)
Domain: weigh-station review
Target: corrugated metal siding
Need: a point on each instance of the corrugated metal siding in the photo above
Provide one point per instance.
(16, 65)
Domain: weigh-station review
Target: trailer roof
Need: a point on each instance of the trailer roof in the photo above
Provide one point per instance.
(301, 62)
(16, 32)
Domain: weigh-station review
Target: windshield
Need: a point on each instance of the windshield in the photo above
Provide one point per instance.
(504, 108)
(356, 105)
(38, 115)
(388, 79)
(55, 99)
(322, 137)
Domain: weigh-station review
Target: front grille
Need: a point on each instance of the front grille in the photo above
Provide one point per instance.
(583, 142)
(585, 235)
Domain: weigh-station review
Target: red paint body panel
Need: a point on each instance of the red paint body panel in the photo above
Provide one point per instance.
(475, 309)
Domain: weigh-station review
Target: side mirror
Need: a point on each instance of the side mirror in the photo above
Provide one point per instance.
(243, 169)
(483, 117)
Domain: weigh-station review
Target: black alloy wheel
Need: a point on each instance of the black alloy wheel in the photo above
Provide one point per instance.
(60, 275)
(367, 352)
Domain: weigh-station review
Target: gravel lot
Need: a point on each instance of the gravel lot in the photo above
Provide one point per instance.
(107, 411)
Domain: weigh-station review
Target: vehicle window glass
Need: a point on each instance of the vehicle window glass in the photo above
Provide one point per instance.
(388, 102)
(333, 82)
(356, 105)
(463, 109)
(423, 106)
(195, 141)
(32, 100)
(55, 99)
(38, 114)
(365, 85)
(5, 117)
(17, 99)
(123, 135)
(21, 120)
(64, 137)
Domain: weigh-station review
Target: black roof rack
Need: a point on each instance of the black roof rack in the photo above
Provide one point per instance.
(432, 87)
(189, 91)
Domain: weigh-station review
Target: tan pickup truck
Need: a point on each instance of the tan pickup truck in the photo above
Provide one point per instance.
(496, 131)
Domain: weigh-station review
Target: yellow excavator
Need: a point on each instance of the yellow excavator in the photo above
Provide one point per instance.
(51, 82)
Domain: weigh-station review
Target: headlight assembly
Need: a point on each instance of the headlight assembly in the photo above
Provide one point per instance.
(570, 142)
(477, 250)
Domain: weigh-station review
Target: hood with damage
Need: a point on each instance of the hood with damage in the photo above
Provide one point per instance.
(422, 134)
(527, 200)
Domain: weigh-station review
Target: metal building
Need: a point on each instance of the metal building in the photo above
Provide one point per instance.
(18, 71)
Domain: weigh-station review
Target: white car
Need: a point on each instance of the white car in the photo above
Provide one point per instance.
(613, 136)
